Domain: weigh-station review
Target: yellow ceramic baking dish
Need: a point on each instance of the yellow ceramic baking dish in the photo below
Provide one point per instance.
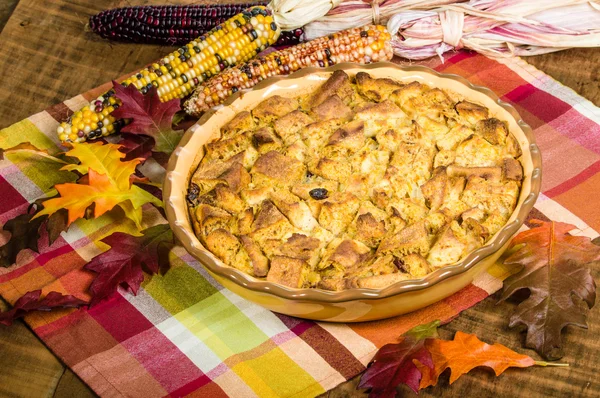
(353, 305)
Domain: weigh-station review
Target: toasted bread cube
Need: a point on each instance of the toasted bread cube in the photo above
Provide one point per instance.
(245, 220)
(415, 265)
(512, 169)
(295, 209)
(209, 218)
(434, 190)
(288, 126)
(349, 256)
(513, 149)
(260, 263)
(443, 158)
(409, 210)
(241, 122)
(492, 130)
(288, 271)
(274, 107)
(375, 89)
(487, 173)
(223, 244)
(494, 223)
(455, 136)
(332, 108)
(224, 198)
(403, 96)
(225, 149)
(369, 230)
(338, 211)
(270, 223)
(477, 152)
(273, 168)
(257, 195)
(265, 140)
(300, 246)
(493, 197)
(471, 113)
(350, 136)
(338, 83)
(434, 128)
(331, 169)
(412, 239)
(316, 135)
(383, 110)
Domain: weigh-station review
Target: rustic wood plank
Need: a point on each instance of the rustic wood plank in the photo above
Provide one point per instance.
(577, 68)
(50, 56)
(27, 367)
(6, 9)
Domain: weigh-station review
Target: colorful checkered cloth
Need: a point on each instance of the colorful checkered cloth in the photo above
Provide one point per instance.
(185, 334)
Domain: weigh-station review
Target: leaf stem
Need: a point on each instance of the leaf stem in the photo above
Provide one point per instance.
(542, 363)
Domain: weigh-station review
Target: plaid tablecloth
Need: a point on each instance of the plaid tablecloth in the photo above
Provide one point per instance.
(185, 334)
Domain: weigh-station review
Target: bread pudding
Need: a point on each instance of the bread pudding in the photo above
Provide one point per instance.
(362, 183)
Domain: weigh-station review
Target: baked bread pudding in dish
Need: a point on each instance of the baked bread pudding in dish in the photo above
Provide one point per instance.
(361, 183)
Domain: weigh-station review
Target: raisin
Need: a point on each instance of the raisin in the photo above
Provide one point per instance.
(192, 196)
(319, 193)
(400, 265)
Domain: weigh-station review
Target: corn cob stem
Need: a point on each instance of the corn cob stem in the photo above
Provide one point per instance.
(237, 40)
(363, 45)
(171, 25)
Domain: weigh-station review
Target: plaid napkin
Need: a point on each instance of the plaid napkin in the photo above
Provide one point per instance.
(185, 334)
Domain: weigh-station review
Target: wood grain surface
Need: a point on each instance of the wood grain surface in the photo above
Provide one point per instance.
(47, 55)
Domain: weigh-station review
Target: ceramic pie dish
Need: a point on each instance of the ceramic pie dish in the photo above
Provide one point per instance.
(354, 304)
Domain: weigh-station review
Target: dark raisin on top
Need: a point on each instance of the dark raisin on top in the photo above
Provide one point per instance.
(318, 193)
(192, 195)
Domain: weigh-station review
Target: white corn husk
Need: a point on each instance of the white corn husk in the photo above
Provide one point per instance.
(500, 28)
(497, 28)
(292, 14)
(354, 13)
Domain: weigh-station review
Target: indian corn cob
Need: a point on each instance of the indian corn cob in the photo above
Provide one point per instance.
(171, 25)
(237, 40)
(363, 45)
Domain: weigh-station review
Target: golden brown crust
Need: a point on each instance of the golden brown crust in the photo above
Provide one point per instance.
(274, 107)
(360, 184)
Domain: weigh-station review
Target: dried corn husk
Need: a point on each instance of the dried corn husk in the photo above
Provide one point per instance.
(498, 28)
(353, 13)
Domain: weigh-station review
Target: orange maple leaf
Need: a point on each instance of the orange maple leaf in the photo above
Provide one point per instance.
(102, 192)
(466, 352)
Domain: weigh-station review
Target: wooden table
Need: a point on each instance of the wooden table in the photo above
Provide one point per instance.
(47, 55)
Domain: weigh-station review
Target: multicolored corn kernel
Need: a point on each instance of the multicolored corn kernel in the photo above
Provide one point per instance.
(172, 24)
(362, 45)
(175, 76)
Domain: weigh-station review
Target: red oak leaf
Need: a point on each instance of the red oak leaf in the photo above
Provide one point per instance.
(136, 146)
(149, 116)
(30, 301)
(123, 263)
(393, 364)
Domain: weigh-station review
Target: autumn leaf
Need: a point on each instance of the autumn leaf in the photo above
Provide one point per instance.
(136, 146)
(465, 353)
(101, 192)
(554, 273)
(149, 116)
(124, 262)
(107, 184)
(30, 301)
(393, 364)
(45, 169)
(24, 234)
(103, 159)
